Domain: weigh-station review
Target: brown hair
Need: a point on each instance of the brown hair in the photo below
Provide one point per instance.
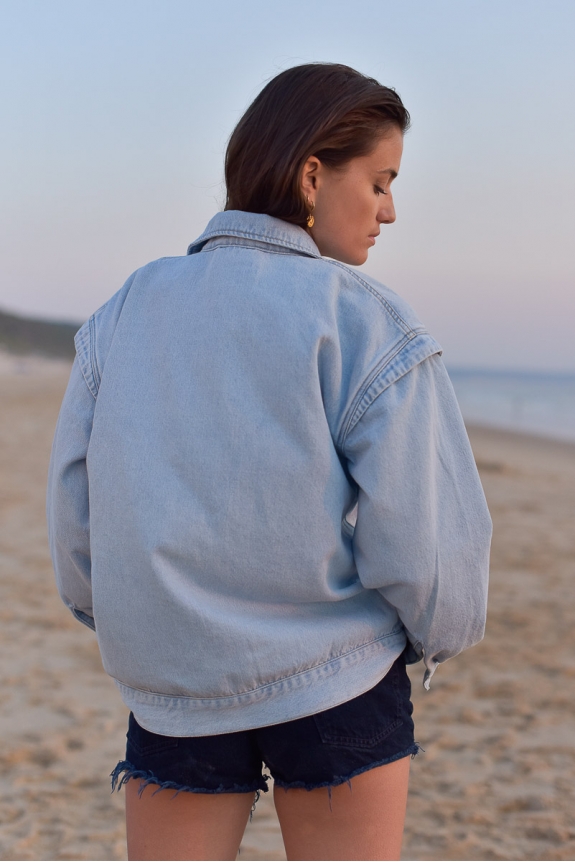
(319, 109)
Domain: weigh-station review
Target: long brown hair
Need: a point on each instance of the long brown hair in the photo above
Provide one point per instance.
(322, 109)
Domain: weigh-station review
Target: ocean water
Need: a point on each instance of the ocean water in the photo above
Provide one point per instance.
(542, 404)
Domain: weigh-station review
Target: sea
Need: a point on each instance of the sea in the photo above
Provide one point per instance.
(532, 403)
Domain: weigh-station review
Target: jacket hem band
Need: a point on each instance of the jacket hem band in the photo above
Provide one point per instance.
(293, 697)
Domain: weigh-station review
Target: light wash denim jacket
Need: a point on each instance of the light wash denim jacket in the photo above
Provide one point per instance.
(261, 489)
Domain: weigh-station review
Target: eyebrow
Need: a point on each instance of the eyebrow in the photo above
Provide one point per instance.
(389, 171)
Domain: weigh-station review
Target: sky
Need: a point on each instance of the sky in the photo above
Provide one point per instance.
(116, 113)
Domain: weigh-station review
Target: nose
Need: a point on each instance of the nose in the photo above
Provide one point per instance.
(386, 213)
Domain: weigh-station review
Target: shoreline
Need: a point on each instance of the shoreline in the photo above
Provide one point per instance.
(31, 364)
(501, 434)
(535, 438)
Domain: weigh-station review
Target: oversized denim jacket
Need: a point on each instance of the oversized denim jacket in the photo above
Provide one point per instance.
(261, 489)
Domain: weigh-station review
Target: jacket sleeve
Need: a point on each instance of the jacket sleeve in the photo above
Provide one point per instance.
(423, 529)
(67, 498)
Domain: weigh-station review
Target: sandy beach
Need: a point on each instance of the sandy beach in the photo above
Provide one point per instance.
(497, 779)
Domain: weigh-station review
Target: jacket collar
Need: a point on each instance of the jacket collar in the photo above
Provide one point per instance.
(256, 228)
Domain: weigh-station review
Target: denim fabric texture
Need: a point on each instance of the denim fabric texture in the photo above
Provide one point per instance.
(261, 488)
(321, 750)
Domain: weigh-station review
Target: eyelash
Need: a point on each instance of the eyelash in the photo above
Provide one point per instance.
(380, 191)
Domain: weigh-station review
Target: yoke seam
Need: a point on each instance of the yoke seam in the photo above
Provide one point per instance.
(381, 299)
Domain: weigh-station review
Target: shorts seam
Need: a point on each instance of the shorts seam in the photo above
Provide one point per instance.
(331, 737)
(343, 779)
(358, 742)
(154, 748)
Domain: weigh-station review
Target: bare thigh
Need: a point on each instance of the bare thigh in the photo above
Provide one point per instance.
(190, 826)
(362, 821)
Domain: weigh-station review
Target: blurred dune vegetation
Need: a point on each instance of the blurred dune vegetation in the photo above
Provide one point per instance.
(24, 335)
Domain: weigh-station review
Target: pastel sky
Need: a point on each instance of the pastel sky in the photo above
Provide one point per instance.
(115, 116)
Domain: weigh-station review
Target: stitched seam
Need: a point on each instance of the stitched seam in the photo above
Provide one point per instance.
(348, 424)
(248, 248)
(367, 742)
(85, 364)
(153, 748)
(360, 413)
(381, 299)
(249, 234)
(355, 742)
(267, 684)
(93, 361)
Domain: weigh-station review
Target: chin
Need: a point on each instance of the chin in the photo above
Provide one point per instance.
(351, 258)
(357, 259)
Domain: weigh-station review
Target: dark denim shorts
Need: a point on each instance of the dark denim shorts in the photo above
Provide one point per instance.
(321, 750)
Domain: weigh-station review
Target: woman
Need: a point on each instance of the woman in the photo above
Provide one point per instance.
(263, 499)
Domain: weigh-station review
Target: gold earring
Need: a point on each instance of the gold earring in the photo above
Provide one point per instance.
(310, 219)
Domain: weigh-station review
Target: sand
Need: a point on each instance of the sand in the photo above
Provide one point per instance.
(497, 780)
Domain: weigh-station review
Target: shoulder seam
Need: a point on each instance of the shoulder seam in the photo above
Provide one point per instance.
(93, 356)
(381, 299)
(84, 343)
(361, 403)
(350, 420)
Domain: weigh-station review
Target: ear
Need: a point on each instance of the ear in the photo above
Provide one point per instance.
(309, 177)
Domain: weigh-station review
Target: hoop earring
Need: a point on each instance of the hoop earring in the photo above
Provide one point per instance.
(310, 219)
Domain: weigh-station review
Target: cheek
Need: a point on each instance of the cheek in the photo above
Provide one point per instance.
(362, 218)
(345, 217)
(359, 210)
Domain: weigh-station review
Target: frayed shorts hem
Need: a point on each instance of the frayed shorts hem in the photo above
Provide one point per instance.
(125, 771)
